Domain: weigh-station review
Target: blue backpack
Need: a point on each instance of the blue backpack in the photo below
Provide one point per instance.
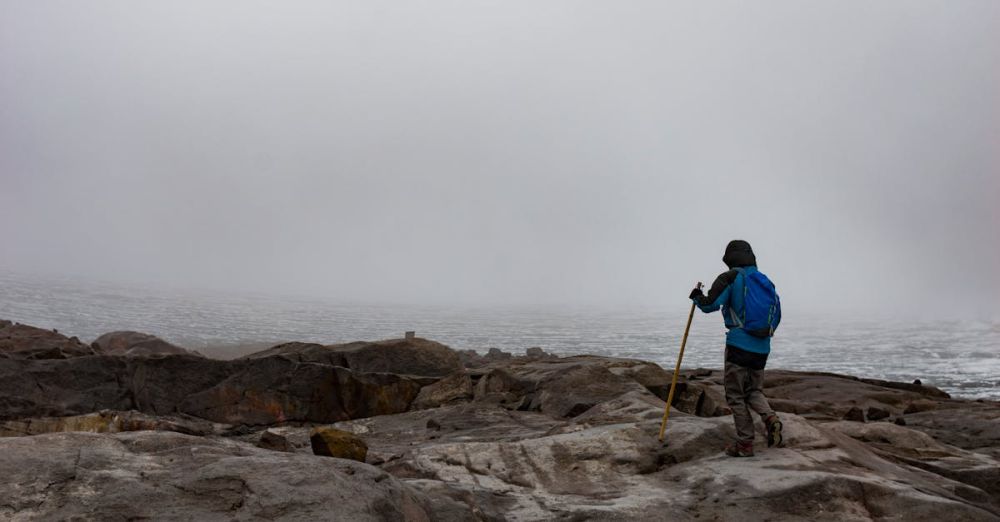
(761, 306)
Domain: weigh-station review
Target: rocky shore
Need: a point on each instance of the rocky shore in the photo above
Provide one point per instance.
(132, 427)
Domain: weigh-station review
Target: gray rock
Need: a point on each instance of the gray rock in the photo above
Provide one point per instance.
(561, 387)
(496, 354)
(456, 387)
(169, 476)
(607, 464)
(537, 353)
(269, 439)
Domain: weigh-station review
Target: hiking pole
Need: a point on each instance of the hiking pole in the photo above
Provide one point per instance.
(677, 369)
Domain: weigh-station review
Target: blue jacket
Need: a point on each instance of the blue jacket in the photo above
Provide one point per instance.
(727, 293)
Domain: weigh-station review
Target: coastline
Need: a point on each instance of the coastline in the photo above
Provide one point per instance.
(457, 435)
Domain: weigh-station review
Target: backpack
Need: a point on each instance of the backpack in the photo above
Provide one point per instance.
(761, 305)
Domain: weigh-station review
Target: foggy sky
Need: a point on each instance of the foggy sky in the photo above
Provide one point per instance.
(508, 152)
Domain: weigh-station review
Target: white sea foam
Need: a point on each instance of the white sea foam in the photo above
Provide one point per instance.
(960, 357)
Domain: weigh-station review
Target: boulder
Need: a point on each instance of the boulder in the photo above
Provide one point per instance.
(701, 399)
(454, 388)
(170, 476)
(20, 341)
(562, 387)
(875, 414)
(855, 414)
(269, 439)
(537, 353)
(416, 356)
(649, 375)
(134, 344)
(576, 390)
(496, 354)
(331, 442)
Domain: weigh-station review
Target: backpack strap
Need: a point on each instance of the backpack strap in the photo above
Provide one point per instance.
(732, 309)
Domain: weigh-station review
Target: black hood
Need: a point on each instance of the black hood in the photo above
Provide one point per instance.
(739, 253)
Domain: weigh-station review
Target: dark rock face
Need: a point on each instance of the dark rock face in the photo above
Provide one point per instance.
(418, 357)
(855, 415)
(875, 414)
(275, 390)
(20, 341)
(136, 344)
(701, 399)
(256, 392)
(58, 388)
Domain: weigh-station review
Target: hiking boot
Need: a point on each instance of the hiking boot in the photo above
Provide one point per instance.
(773, 426)
(740, 449)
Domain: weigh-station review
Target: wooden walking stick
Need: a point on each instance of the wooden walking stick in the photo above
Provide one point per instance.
(677, 369)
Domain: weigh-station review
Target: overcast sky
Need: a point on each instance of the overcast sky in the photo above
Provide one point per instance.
(575, 152)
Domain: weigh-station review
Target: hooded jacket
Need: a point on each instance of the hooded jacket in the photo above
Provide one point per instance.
(726, 293)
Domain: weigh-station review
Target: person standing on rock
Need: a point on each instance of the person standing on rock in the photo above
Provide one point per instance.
(751, 311)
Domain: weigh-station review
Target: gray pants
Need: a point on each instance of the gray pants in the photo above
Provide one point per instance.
(744, 393)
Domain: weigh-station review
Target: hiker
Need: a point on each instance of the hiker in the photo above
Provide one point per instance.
(751, 311)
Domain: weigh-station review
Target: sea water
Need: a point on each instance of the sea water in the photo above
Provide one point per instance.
(960, 357)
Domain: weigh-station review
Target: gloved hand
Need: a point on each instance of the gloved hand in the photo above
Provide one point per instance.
(696, 293)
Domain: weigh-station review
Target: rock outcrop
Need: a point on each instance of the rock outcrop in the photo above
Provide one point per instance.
(456, 387)
(20, 341)
(416, 356)
(136, 344)
(261, 391)
(107, 422)
(495, 437)
(606, 463)
(170, 476)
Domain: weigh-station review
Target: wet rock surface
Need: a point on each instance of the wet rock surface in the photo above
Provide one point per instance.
(450, 436)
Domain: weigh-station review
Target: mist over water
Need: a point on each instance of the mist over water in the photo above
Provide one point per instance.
(553, 174)
(960, 357)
